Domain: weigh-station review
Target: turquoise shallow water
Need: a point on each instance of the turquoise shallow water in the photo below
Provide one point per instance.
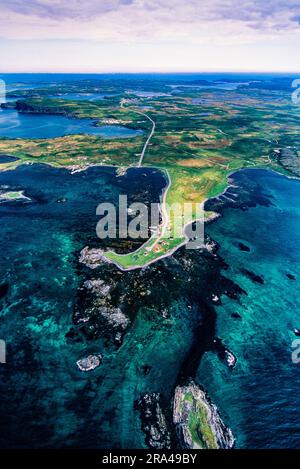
(20, 125)
(260, 398)
(46, 401)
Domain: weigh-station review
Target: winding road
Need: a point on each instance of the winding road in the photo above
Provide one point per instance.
(140, 162)
(148, 139)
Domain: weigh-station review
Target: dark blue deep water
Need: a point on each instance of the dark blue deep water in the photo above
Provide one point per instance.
(260, 398)
(46, 401)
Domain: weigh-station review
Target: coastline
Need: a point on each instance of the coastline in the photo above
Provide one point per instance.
(211, 218)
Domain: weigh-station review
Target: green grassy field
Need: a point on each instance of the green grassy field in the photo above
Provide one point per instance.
(196, 144)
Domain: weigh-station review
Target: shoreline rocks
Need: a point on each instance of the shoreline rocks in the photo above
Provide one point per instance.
(92, 258)
(289, 159)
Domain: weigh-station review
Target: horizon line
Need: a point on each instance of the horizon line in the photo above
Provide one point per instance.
(145, 72)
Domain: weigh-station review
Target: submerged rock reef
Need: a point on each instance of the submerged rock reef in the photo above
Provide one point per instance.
(154, 422)
(136, 315)
(98, 311)
(108, 302)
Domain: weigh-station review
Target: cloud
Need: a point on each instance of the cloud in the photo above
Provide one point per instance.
(221, 21)
(60, 10)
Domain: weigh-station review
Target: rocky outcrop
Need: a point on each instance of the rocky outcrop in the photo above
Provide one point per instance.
(92, 258)
(153, 421)
(99, 310)
(97, 286)
(224, 354)
(89, 363)
(115, 317)
(198, 421)
(62, 200)
(230, 359)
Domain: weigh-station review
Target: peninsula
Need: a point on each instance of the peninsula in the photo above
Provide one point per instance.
(196, 137)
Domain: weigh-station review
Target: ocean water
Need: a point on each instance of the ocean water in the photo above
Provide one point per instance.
(260, 398)
(30, 80)
(45, 400)
(20, 125)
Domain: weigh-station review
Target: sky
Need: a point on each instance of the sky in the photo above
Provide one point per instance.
(149, 35)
